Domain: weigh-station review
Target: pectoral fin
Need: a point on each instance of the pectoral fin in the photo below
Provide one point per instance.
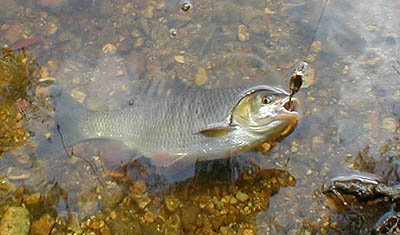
(217, 131)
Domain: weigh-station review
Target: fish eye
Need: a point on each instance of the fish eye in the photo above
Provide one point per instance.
(266, 99)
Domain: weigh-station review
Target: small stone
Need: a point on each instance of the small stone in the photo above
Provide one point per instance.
(180, 59)
(47, 135)
(52, 28)
(3, 117)
(96, 224)
(371, 61)
(43, 226)
(316, 46)
(148, 12)
(32, 199)
(18, 117)
(105, 231)
(243, 35)
(372, 28)
(249, 232)
(139, 187)
(172, 203)
(14, 173)
(47, 79)
(7, 186)
(201, 76)
(242, 196)
(233, 201)
(78, 95)
(265, 147)
(73, 223)
(291, 181)
(317, 141)
(13, 34)
(150, 217)
(139, 42)
(396, 95)
(269, 11)
(143, 202)
(113, 215)
(309, 78)
(225, 230)
(15, 221)
(109, 49)
(390, 124)
(44, 72)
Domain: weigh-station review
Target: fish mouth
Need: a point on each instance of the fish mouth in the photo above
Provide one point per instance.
(291, 105)
(290, 111)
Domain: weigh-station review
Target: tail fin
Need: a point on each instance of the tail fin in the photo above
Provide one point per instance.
(66, 132)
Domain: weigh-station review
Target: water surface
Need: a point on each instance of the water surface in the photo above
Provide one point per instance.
(96, 51)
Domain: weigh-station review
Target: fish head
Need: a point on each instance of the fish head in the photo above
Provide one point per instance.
(265, 110)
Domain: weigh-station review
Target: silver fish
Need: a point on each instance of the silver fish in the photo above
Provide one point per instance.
(189, 123)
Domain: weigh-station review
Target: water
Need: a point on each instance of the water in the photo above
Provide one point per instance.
(96, 50)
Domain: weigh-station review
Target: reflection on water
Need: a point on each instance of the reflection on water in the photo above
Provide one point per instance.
(97, 50)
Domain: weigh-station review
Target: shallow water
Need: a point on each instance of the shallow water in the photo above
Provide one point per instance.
(97, 50)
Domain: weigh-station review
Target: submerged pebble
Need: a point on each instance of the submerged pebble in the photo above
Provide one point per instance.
(390, 124)
(309, 78)
(180, 59)
(172, 203)
(243, 34)
(78, 95)
(43, 226)
(150, 217)
(201, 76)
(15, 221)
(242, 196)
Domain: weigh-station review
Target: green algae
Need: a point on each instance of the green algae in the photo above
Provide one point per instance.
(18, 74)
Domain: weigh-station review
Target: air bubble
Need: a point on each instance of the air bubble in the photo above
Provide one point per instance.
(173, 32)
(186, 6)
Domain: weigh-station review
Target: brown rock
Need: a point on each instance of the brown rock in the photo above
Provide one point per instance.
(172, 203)
(43, 226)
(242, 196)
(201, 76)
(243, 35)
(150, 217)
(180, 59)
(32, 199)
(13, 34)
(78, 95)
(15, 221)
(139, 187)
(73, 223)
(316, 46)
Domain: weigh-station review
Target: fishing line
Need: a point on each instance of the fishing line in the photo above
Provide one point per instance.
(70, 156)
(62, 141)
(316, 28)
(395, 69)
(297, 78)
